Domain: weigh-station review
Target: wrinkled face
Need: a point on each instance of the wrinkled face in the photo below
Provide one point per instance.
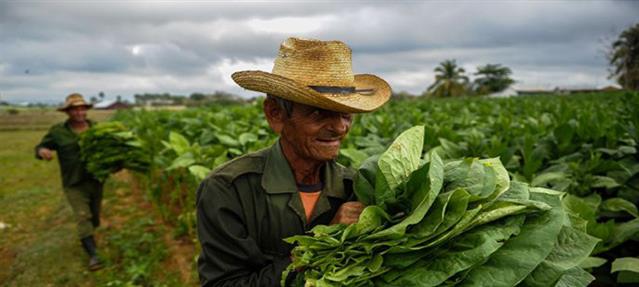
(314, 133)
(77, 113)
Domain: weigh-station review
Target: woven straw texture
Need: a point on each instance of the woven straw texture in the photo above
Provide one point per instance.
(302, 63)
(74, 100)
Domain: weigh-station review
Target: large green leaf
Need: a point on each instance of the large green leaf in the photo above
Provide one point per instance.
(464, 252)
(200, 172)
(227, 140)
(584, 207)
(246, 138)
(545, 178)
(425, 192)
(462, 225)
(592, 262)
(502, 209)
(628, 268)
(400, 159)
(365, 180)
(355, 156)
(523, 253)
(479, 180)
(625, 264)
(447, 210)
(371, 218)
(619, 204)
(483, 179)
(572, 247)
(178, 143)
(574, 277)
(184, 160)
(623, 232)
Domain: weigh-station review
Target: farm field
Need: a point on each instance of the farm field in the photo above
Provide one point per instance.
(583, 145)
(39, 118)
(39, 245)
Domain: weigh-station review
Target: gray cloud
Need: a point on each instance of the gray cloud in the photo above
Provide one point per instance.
(126, 48)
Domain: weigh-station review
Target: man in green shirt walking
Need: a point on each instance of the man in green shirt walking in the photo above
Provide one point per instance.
(82, 190)
(248, 205)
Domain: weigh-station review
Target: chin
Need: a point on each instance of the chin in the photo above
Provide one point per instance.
(325, 156)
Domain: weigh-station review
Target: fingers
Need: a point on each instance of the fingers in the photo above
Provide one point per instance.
(45, 154)
(348, 213)
(353, 209)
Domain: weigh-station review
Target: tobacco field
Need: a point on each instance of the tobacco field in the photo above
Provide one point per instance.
(583, 146)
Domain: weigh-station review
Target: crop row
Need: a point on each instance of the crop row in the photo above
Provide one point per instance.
(585, 145)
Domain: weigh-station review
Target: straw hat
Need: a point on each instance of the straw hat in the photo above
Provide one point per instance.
(319, 74)
(74, 100)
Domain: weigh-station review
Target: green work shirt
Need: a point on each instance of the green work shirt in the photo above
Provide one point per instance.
(64, 141)
(245, 209)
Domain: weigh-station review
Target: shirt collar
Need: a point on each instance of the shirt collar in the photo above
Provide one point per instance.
(67, 124)
(278, 176)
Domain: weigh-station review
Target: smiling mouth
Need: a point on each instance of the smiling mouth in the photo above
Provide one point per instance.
(335, 141)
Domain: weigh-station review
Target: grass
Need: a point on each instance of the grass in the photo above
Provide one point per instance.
(41, 232)
(39, 245)
(40, 118)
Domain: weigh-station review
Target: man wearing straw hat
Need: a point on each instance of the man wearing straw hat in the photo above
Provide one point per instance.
(82, 190)
(248, 205)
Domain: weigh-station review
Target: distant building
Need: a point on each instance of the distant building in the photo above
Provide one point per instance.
(534, 92)
(611, 89)
(569, 91)
(508, 92)
(164, 99)
(111, 105)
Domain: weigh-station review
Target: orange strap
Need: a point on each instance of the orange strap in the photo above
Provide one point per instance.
(309, 199)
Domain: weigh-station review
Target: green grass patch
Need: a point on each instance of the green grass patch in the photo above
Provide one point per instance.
(40, 245)
(133, 255)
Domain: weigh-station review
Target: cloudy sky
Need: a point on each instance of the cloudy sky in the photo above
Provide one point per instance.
(49, 49)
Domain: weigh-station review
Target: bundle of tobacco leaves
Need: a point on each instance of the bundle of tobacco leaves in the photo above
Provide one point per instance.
(109, 147)
(430, 222)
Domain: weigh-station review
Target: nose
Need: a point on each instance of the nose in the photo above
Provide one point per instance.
(340, 123)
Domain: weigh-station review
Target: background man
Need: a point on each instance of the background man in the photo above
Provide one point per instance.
(248, 205)
(82, 190)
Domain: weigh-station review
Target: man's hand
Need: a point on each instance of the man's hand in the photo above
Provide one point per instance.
(348, 213)
(45, 153)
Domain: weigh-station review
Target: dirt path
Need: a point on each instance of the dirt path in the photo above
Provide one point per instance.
(181, 251)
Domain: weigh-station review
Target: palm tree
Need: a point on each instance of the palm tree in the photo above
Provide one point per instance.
(450, 80)
(624, 57)
(492, 78)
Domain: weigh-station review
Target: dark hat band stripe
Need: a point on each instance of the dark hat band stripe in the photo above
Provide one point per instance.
(340, 90)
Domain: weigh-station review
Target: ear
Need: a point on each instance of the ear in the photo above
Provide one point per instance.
(275, 115)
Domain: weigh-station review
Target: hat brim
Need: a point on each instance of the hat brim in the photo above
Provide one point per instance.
(66, 107)
(292, 90)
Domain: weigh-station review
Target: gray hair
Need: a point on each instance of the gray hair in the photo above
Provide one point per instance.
(283, 103)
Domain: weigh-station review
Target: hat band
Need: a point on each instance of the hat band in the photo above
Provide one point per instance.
(340, 90)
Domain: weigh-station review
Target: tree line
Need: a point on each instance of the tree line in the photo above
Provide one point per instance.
(451, 79)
